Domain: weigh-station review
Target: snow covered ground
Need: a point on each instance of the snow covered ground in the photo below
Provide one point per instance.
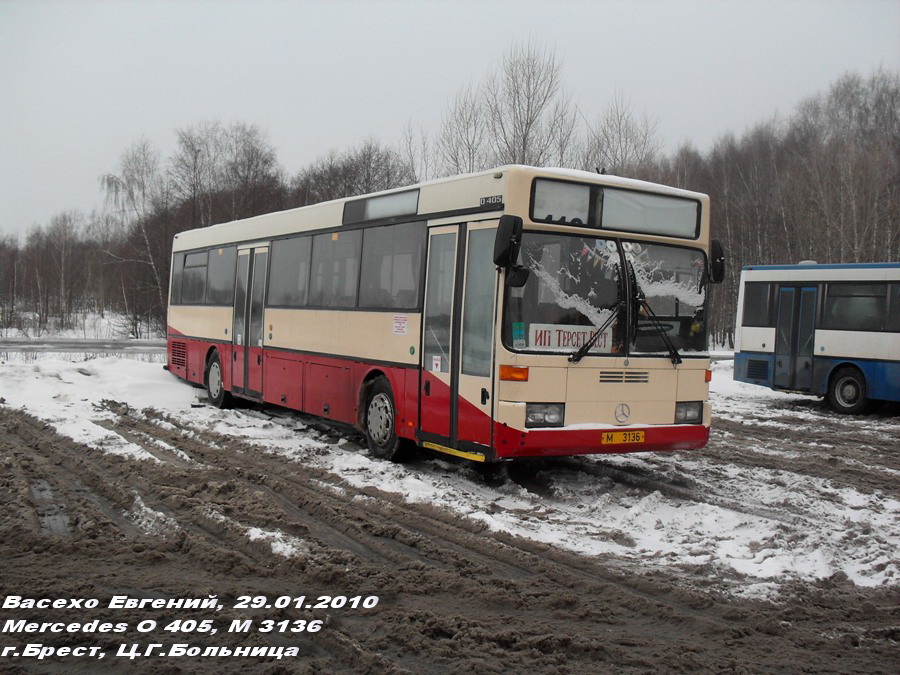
(785, 492)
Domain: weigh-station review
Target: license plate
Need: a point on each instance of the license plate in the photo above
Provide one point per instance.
(622, 437)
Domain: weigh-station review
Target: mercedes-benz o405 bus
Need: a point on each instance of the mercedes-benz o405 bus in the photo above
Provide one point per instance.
(517, 312)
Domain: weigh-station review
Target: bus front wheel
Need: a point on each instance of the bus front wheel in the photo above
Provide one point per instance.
(381, 422)
(847, 391)
(215, 385)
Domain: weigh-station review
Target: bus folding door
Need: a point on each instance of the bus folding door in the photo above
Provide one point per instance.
(456, 401)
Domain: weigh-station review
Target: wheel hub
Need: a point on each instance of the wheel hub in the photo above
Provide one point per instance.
(848, 392)
(215, 380)
(380, 419)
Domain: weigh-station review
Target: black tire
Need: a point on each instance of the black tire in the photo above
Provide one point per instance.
(380, 423)
(847, 391)
(215, 385)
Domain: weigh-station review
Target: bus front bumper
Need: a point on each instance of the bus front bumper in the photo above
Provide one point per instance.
(512, 443)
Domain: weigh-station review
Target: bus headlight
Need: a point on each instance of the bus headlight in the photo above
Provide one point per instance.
(544, 414)
(689, 412)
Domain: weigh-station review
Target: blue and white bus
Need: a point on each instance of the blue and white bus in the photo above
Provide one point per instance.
(828, 330)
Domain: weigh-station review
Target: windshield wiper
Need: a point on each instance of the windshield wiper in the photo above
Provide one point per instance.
(586, 347)
(641, 303)
(618, 306)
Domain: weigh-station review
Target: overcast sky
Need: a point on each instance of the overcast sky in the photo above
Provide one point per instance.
(81, 80)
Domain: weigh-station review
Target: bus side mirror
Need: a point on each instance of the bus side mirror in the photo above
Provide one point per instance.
(508, 241)
(716, 262)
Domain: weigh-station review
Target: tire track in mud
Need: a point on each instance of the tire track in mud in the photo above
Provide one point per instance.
(754, 446)
(205, 540)
(438, 541)
(418, 526)
(680, 487)
(535, 565)
(81, 509)
(310, 499)
(454, 596)
(366, 517)
(865, 460)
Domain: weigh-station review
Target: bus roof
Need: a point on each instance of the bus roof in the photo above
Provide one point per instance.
(824, 266)
(460, 194)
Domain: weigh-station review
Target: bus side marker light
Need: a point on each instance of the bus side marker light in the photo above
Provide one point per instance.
(709, 376)
(514, 373)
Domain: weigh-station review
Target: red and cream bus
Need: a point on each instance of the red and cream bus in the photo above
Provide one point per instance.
(518, 312)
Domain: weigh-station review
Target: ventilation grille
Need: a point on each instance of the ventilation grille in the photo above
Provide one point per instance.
(624, 376)
(757, 369)
(179, 354)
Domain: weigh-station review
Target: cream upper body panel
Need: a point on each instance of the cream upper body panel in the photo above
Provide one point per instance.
(377, 336)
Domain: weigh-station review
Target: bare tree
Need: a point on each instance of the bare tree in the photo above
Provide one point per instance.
(195, 170)
(462, 143)
(252, 177)
(843, 153)
(417, 153)
(10, 256)
(132, 193)
(368, 168)
(529, 118)
(66, 273)
(620, 143)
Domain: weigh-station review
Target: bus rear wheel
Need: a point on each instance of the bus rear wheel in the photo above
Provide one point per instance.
(380, 424)
(215, 385)
(847, 391)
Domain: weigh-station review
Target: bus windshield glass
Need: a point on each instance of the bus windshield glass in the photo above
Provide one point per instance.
(573, 287)
(672, 282)
(576, 285)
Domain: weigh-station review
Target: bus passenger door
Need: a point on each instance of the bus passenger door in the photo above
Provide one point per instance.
(806, 331)
(437, 413)
(794, 337)
(247, 329)
(456, 391)
(476, 388)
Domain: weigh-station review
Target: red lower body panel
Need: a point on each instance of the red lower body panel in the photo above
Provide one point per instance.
(332, 388)
(318, 385)
(187, 358)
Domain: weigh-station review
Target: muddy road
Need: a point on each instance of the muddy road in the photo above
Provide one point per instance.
(215, 518)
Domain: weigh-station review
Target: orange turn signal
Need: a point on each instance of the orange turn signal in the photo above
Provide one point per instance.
(514, 373)
(709, 376)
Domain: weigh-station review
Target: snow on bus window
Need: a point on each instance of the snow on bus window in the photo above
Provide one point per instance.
(572, 290)
(673, 283)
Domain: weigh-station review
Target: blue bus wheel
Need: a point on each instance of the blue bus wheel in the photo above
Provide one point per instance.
(847, 391)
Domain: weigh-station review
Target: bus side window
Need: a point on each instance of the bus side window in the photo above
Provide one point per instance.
(392, 266)
(177, 269)
(758, 305)
(335, 268)
(193, 280)
(289, 272)
(859, 306)
(220, 276)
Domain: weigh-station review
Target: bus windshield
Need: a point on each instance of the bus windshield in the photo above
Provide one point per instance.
(576, 284)
(672, 282)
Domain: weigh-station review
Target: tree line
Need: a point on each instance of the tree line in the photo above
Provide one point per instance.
(821, 184)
